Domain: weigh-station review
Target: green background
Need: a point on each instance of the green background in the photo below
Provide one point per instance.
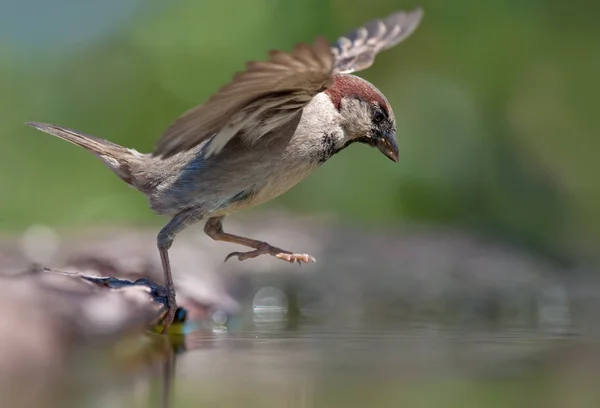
(496, 103)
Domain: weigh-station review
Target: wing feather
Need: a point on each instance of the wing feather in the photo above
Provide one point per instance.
(305, 71)
(269, 93)
(357, 50)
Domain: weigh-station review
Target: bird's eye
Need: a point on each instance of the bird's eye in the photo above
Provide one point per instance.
(378, 117)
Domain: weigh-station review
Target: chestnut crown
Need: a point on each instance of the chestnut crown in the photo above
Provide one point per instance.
(368, 116)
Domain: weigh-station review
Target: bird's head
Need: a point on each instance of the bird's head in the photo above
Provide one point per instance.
(367, 116)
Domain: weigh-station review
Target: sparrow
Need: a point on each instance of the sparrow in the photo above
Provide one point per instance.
(258, 136)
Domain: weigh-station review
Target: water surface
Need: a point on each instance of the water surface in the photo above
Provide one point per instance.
(413, 363)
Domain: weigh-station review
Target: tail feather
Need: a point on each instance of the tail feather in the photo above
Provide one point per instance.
(124, 162)
(94, 144)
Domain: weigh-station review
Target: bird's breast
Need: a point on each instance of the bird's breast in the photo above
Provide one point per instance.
(269, 185)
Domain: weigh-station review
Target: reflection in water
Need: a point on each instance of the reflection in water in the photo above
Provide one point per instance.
(168, 376)
(283, 355)
(262, 360)
(412, 363)
(423, 364)
(270, 308)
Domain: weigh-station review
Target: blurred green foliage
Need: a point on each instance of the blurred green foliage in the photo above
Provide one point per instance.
(496, 105)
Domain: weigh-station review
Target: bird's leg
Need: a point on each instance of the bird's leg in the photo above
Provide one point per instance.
(164, 242)
(214, 229)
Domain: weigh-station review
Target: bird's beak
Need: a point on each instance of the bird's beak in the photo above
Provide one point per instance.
(386, 143)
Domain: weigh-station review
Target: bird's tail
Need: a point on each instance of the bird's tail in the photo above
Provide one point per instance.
(125, 163)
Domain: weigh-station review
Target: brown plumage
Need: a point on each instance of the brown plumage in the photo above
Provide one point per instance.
(258, 136)
(348, 85)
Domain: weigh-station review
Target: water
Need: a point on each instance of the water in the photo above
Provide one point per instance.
(294, 348)
(415, 363)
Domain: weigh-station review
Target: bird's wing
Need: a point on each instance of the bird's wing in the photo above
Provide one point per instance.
(269, 93)
(285, 80)
(357, 50)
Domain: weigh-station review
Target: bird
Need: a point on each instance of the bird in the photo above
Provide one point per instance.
(259, 135)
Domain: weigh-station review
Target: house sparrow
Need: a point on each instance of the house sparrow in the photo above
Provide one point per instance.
(258, 136)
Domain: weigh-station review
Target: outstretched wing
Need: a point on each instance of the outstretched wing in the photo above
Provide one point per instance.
(270, 93)
(357, 50)
(284, 80)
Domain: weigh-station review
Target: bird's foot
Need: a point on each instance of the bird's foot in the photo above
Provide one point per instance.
(168, 318)
(266, 249)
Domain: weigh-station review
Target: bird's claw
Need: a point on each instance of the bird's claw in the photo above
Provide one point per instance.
(267, 249)
(238, 254)
(299, 258)
(169, 317)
